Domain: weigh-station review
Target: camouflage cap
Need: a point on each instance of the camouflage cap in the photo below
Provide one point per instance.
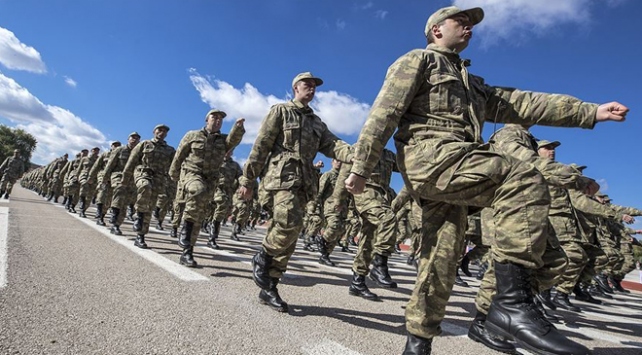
(95, 148)
(162, 126)
(544, 143)
(117, 143)
(476, 15)
(134, 134)
(577, 167)
(85, 151)
(222, 113)
(306, 75)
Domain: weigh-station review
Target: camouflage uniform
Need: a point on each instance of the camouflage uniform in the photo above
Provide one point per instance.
(227, 185)
(334, 211)
(438, 109)
(71, 184)
(123, 194)
(288, 140)
(147, 167)
(11, 169)
(103, 185)
(52, 175)
(196, 169)
(87, 186)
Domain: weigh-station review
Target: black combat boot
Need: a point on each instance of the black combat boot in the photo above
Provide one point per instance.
(236, 229)
(159, 226)
(156, 212)
(64, 201)
(82, 206)
(130, 212)
(597, 292)
(56, 199)
(544, 298)
(465, 261)
(173, 232)
(187, 258)
(397, 248)
(410, 260)
(184, 239)
(513, 315)
(561, 300)
(359, 288)
(115, 230)
(617, 285)
(138, 224)
(549, 316)
(260, 269)
(379, 272)
(351, 241)
(478, 333)
(482, 270)
(271, 297)
(345, 249)
(140, 241)
(307, 243)
(580, 295)
(114, 215)
(215, 228)
(459, 281)
(324, 259)
(417, 345)
(603, 283)
(6, 195)
(99, 211)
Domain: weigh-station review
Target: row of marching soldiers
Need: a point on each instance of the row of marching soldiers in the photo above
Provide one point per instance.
(142, 179)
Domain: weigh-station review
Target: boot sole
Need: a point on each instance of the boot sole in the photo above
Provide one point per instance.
(481, 341)
(375, 299)
(380, 284)
(278, 309)
(500, 331)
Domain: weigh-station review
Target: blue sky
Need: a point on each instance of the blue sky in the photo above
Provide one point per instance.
(78, 73)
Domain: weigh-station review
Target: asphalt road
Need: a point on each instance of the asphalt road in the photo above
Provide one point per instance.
(69, 287)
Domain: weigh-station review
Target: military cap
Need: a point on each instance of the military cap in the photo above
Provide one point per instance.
(116, 143)
(306, 75)
(476, 15)
(578, 167)
(544, 143)
(84, 150)
(162, 126)
(95, 148)
(222, 113)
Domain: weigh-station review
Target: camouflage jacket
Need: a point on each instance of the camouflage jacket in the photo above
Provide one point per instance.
(150, 158)
(229, 174)
(85, 165)
(70, 171)
(287, 142)
(588, 211)
(518, 142)
(326, 185)
(117, 161)
(438, 110)
(55, 167)
(98, 169)
(12, 167)
(202, 153)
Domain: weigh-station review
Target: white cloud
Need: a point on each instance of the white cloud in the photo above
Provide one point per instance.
(365, 6)
(57, 130)
(381, 14)
(341, 25)
(71, 82)
(604, 185)
(515, 19)
(17, 55)
(342, 113)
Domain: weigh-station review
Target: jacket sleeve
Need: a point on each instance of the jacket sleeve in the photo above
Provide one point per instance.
(180, 155)
(268, 132)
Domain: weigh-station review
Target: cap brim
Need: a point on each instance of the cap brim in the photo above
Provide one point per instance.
(475, 15)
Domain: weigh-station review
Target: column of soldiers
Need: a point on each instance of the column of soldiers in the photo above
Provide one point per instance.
(545, 230)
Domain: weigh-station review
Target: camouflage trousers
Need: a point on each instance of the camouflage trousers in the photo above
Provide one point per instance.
(6, 184)
(123, 196)
(520, 200)
(147, 190)
(555, 264)
(628, 264)
(86, 189)
(596, 256)
(72, 190)
(577, 260)
(611, 260)
(283, 232)
(241, 212)
(164, 203)
(335, 223)
(312, 226)
(194, 194)
(54, 187)
(223, 200)
(104, 194)
(379, 229)
(480, 250)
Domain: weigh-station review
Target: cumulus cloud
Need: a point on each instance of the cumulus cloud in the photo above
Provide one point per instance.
(604, 185)
(515, 19)
(16, 55)
(342, 113)
(57, 130)
(71, 82)
(381, 14)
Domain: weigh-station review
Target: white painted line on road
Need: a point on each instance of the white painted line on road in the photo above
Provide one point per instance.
(2, 200)
(327, 347)
(173, 268)
(4, 253)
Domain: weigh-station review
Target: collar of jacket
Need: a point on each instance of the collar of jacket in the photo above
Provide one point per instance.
(207, 133)
(301, 107)
(451, 54)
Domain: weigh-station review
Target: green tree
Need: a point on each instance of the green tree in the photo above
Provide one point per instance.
(16, 138)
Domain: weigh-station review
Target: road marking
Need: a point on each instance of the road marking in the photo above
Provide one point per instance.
(2, 200)
(4, 236)
(173, 268)
(328, 347)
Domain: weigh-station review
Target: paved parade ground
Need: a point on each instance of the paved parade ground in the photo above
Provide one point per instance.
(67, 286)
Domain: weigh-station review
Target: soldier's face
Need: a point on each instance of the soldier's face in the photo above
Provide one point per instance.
(214, 122)
(160, 133)
(455, 32)
(546, 152)
(132, 141)
(304, 90)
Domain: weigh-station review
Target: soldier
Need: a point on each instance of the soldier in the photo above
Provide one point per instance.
(72, 184)
(288, 140)
(334, 211)
(11, 170)
(52, 174)
(103, 189)
(87, 187)
(438, 109)
(195, 168)
(313, 219)
(227, 184)
(123, 193)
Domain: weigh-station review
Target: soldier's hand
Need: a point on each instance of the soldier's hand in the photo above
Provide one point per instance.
(245, 193)
(628, 219)
(319, 164)
(612, 111)
(239, 122)
(355, 184)
(638, 231)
